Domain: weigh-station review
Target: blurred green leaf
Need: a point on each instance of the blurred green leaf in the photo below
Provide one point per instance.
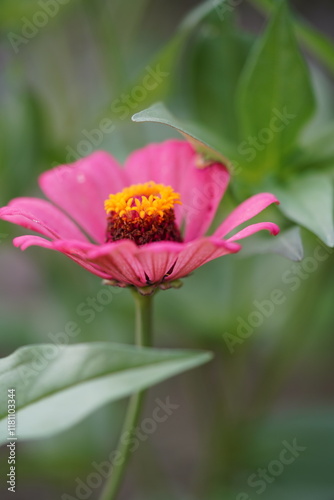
(318, 152)
(203, 140)
(57, 386)
(317, 42)
(215, 62)
(24, 136)
(309, 474)
(287, 244)
(162, 68)
(321, 46)
(197, 14)
(275, 97)
(308, 200)
(22, 14)
(154, 82)
(12, 12)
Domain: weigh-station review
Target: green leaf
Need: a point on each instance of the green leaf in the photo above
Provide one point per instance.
(197, 14)
(317, 152)
(214, 64)
(287, 244)
(275, 98)
(308, 200)
(318, 43)
(309, 436)
(21, 114)
(13, 14)
(57, 386)
(321, 46)
(159, 70)
(204, 142)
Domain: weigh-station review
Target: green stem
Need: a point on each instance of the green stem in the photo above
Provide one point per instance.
(143, 334)
(143, 329)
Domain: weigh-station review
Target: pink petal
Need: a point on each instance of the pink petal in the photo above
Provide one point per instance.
(117, 260)
(254, 228)
(201, 200)
(139, 266)
(23, 242)
(150, 263)
(80, 189)
(41, 216)
(158, 259)
(199, 252)
(245, 211)
(164, 163)
(173, 163)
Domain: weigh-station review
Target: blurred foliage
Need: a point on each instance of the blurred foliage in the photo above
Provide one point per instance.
(225, 75)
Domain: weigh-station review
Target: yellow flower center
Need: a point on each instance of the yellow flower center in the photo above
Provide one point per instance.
(145, 199)
(143, 213)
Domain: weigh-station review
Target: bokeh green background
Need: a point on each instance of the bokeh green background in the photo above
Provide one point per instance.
(235, 413)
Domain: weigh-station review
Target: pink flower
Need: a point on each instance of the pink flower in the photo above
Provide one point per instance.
(158, 195)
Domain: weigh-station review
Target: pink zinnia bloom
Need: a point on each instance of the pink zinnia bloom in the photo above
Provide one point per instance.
(141, 225)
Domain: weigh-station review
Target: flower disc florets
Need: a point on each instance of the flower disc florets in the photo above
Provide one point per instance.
(143, 213)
